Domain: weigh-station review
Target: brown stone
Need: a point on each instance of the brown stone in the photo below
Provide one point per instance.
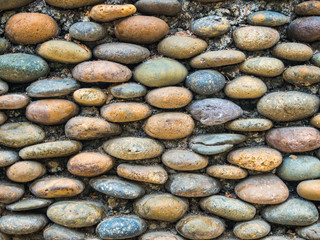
(10, 192)
(315, 121)
(25, 171)
(72, 3)
(309, 189)
(308, 8)
(249, 125)
(3, 117)
(90, 96)
(302, 75)
(107, 13)
(13, 101)
(226, 172)
(293, 51)
(263, 66)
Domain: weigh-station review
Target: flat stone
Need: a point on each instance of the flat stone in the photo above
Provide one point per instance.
(267, 18)
(304, 29)
(160, 235)
(72, 3)
(25, 171)
(302, 75)
(4, 5)
(4, 44)
(309, 190)
(8, 157)
(159, 7)
(250, 125)
(293, 51)
(107, 13)
(254, 229)
(210, 26)
(128, 90)
(226, 172)
(87, 31)
(10, 192)
(28, 204)
(311, 232)
(263, 66)
(56, 231)
(90, 96)
(13, 101)
(308, 8)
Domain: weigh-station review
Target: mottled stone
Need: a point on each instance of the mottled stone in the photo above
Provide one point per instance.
(28, 204)
(210, 26)
(90, 96)
(316, 59)
(25, 171)
(293, 51)
(8, 157)
(159, 7)
(3, 118)
(10, 192)
(5, 5)
(309, 190)
(306, 29)
(267, 18)
(4, 45)
(250, 125)
(308, 8)
(226, 172)
(254, 229)
(72, 3)
(56, 231)
(128, 90)
(302, 75)
(160, 235)
(87, 31)
(13, 101)
(311, 232)
(263, 66)
(107, 13)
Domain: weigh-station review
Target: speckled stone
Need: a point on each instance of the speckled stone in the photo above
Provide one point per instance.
(13, 101)
(263, 66)
(10, 192)
(160, 235)
(128, 90)
(3, 118)
(311, 232)
(302, 75)
(226, 172)
(250, 125)
(4, 45)
(210, 26)
(25, 171)
(308, 8)
(267, 18)
(294, 212)
(254, 229)
(5, 5)
(87, 31)
(161, 207)
(315, 121)
(305, 29)
(293, 51)
(28, 204)
(107, 13)
(316, 59)
(159, 7)
(56, 231)
(8, 157)
(309, 190)
(90, 96)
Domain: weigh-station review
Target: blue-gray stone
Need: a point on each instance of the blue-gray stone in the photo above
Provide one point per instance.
(8, 157)
(210, 26)
(316, 59)
(55, 232)
(4, 45)
(29, 204)
(128, 90)
(87, 31)
(268, 18)
(311, 232)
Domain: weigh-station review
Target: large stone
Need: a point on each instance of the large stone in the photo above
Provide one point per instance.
(210, 26)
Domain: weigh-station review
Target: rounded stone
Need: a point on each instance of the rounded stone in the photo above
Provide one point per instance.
(288, 106)
(316, 59)
(254, 229)
(5, 5)
(160, 72)
(267, 18)
(63, 51)
(128, 90)
(125, 111)
(305, 29)
(161, 207)
(315, 121)
(4, 87)
(181, 47)
(125, 53)
(291, 51)
(141, 29)
(170, 125)
(28, 204)
(169, 97)
(8, 157)
(13, 101)
(133, 148)
(308, 8)
(250, 125)
(56, 187)
(226, 172)
(192, 185)
(262, 189)
(72, 3)
(56, 231)
(87, 31)
(31, 28)
(309, 190)
(160, 235)
(3, 118)
(10, 192)
(90, 96)
(4, 45)
(263, 66)
(25, 171)
(159, 7)
(302, 75)
(107, 13)
(210, 26)
(311, 232)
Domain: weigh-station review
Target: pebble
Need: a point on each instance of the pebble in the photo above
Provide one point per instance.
(298, 168)
(158, 7)
(181, 47)
(87, 128)
(267, 18)
(4, 45)
(13, 101)
(288, 106)
(210, 26)
(31, 28)
(294, 139)
(293, 212)
(213, 59)
(128, 226)
(160, 72)
(8, 157)
(25, 171)
(101, 71)
(302, 75)
(133, 148)
(4, 5)
(125, 112)
(90, 164)
(169, 97)
(125, 53)
(311, 232)
(116, 187)
(161, 207)
(155, 174)
(107, 13)
(72, 3)
(3, 118)
(315, 121)
(206, 82)
(304, 29)
(141, 29)
(262, 189)
(226, 172)
(254, 38)
(292, 51)
(28, 204)
(169, 125)
(308, 8)
(90, 96)
(87, 31)
(128, 90)
(56, 187)
(229, 208)
(56, 231)
(192, 185)
(4, 87)
(262, 159)
(76, 214)
(254, 229)
(282, 237)
(309, 190)
(64, 51)
(263, 66)
(184, 160)
(51, 111)
(20, 134)
(10, 192)
(200, 227)
(316, 59)
(224, 111)
(54, 149)
(20, 224)
(250, 125)
(160, 235)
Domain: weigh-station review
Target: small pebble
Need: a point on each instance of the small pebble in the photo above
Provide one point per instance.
(315, 121)
(308, 8)
(56, 231)
(25, 171)
(4, 44)
(90, 96)
(249, 125)
(304, 29)
(254, 229)
(267, 18)
(10, 192)
(87, 31)
(28, 204)
(4, 87)
(297, 52)
(309, 190)
(263, 66)
(3, 118)
(159, 7)
(226, 172)
(108, 13)
(210, 26)
(128, 90)
(8, 157)
(302, 75)
(13, 101)
(316, 59)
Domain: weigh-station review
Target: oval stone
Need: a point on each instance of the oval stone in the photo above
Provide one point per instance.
(4, 45)
(107, 13)
(309, 190)
(308, 8)
(56, 231)
(228, 208)
(13, 101)
(315, 121)
(262, 189)
(4, 87)
(3, 118)
(302, 75)
(170, 125)
(254, 229)
(10, 192)
(25, 171)
(263, 66)
(87, 31)
(316, 59)
(161, 207)
(160, 236)
(90, 96)
(311, 232)
(28, 204)
(210, 26)
(293, 51)
(250, 125)
(267, 18)
(8, 157)
(304, 29)
(226, 172)
(159, 7)
(72, 3)
(128, 90)
(160, 72)
(5, 5)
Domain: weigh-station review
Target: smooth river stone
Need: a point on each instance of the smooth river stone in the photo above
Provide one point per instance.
(72, 3)
(293, 51)
(20, 134)
(155, 174)
(13, 101)
(20, 224)
(311, 232)
(25, 171)
(28, 204)
(206, 82)
(254, 229)
(8, 157)
(210, 26)
(101, 71)
(262, 189)
(87, 128)
(200, 227)
(159, 7)
(51, 149)
(22, 68)
(184, 160)
(141, 29)
(316, 59)
(90, 96)
(169, 125)
(267, 18)
(315, 121)
(10, 192)
(226, 172)
(107, 13)
(121, 227)
(181, 47)
(294, 139)
(160, 235)
(228, 208)
(309, 190)
(288, 106)
(87, 31)
(128, 90)
(211, 144)
(56, 231)
(214, 111)
(133, 148)
(192, 185)
(5, 5)
(304, 29)
(116, 187)
(302, 75)
(169, 97)
(308, 8)
(89, 164)
(293, 212)
(4, 87)
(263, 66)
(125, 53)
(56, 187)
(161, 207)
(125, 111)
(79, 213)
(249, 125)
(160, 72)
(3, 118)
